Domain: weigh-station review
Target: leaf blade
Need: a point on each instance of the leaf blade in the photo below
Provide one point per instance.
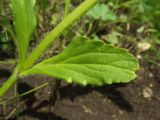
(24, 23)
(89, 62)
(102, 12)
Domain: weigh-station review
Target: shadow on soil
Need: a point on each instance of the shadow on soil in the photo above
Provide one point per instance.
(109, 91)
(71, 92)
(29, 98)
(4, 73)
(33, 112)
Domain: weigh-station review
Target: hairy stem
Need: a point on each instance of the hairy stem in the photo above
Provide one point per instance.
(55, 33)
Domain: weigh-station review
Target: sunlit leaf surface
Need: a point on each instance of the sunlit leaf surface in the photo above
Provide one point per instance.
(87, 61)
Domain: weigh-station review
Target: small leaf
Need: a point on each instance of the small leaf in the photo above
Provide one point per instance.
(112, 38)
(24, 23)
(102, 12)
(87, 61)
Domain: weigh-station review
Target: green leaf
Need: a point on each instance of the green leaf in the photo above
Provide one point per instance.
(87, 61)
(24, 23)
(102, 12)
(113, 37)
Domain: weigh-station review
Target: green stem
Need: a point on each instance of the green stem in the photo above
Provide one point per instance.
(9, 61)
(26, 93)
(66, 10)
(12, 79)
(54, 84)
(16, 101)
(55, 33)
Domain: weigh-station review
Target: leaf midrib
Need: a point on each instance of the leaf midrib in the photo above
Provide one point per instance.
(74, 57)
(61, 64)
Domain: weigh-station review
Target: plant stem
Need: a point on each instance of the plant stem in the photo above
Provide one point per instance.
(54, 85)
(66, 10)
(26, 93)
(9, 61)
(4, 107)
(16, 101)
(12, 79)
(55, 33)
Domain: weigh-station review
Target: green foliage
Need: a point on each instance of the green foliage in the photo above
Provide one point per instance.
(151, 11)
(24, 22)
(112, 38)
(84, 61)
(43, 4)
(87, 61)
(102, 12)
